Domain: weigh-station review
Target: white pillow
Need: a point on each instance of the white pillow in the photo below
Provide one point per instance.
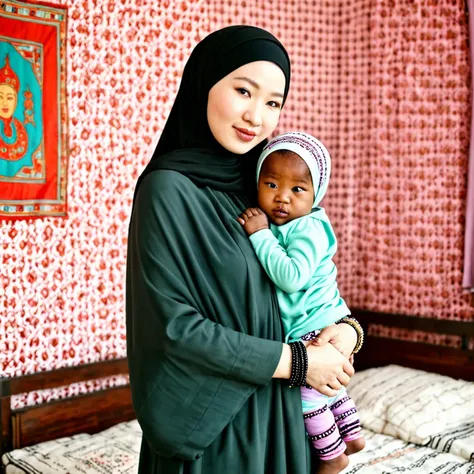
(410, 404)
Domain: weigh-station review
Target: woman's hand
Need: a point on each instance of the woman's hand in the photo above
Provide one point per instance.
(253, 219)
(342, 336)
(328, 369)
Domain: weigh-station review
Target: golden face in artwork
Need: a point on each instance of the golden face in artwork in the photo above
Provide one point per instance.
(8, 101)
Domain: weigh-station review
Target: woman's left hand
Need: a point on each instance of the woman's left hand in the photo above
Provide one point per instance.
(342, 336)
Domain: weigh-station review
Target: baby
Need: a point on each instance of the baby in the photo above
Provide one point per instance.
(296, 251)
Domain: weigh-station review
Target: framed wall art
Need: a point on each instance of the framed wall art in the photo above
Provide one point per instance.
(33, 110)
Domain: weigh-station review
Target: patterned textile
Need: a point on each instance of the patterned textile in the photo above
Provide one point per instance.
(330, 427)
(386, 455)
(33, 113)
(309, 149)
(324, 434)
(389, 97)
(113, 451)
(116, 450)
(410, 404)
(400, 153)
(458, 441)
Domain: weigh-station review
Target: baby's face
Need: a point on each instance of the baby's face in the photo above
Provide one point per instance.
(285, 188)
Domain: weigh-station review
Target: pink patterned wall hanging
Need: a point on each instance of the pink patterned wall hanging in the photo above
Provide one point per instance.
(384, 87)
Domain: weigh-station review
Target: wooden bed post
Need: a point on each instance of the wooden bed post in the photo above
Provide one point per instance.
(5, 417)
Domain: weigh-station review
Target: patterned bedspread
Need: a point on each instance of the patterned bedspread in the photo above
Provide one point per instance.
(414, 423)
(459, 441)
(386, 455)
(115, 451)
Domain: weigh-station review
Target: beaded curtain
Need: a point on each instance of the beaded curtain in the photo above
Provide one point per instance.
(384, 86)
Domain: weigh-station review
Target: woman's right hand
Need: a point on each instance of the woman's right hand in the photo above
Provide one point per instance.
(328, 369)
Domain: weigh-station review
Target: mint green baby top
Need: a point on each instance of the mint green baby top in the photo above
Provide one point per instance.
(298, 258)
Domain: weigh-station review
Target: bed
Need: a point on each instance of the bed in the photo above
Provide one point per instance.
(415, 399)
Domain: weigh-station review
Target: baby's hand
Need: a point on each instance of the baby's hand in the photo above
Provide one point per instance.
(253, 219)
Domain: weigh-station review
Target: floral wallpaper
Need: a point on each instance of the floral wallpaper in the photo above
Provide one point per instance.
(384, 86)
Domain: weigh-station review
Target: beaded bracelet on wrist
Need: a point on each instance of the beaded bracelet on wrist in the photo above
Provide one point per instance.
(358, 329)
(299, 364)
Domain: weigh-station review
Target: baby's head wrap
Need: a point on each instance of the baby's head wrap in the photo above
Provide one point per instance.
(311, 150)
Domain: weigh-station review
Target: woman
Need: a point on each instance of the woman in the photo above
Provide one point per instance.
(204, 336)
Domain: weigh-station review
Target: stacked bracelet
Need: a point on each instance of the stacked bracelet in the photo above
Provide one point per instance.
(358, 329)
(299, 364)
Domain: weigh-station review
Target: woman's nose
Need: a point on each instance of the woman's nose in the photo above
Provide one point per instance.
(253, 115)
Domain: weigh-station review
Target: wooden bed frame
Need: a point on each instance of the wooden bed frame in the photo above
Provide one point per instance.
(380, 351)
(88, 413)
(99, 410)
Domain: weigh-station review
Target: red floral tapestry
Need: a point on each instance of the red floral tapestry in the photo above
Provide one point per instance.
(33, 110)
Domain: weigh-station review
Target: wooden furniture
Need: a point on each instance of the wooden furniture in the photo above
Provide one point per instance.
(99, 410)
(88, 413)
(380, 351)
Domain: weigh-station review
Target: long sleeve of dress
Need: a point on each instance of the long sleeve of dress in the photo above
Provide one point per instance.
(192, 366)
(291, 267)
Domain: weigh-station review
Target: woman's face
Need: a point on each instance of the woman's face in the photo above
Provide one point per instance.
(8, 98)
(244, 107)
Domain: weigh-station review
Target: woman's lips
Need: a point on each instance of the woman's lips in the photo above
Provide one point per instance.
(245, 135)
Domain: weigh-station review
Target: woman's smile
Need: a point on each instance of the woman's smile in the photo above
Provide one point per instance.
(244, 134)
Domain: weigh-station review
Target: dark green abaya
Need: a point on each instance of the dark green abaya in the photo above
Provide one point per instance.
(203, 328)
(204, 334)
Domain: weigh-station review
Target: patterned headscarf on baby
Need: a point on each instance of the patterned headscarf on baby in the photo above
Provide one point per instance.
(311, 150)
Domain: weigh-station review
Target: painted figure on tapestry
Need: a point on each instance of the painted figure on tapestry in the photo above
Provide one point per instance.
(13, 136)
(33, 110)
(21, 144)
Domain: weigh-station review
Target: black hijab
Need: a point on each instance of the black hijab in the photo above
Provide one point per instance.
(187, 144)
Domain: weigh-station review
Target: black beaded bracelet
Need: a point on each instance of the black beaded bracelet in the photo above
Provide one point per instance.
(294, 364)
(299, 364)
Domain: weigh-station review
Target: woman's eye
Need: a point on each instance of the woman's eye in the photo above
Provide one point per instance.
(274, 104)
(243, 91)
